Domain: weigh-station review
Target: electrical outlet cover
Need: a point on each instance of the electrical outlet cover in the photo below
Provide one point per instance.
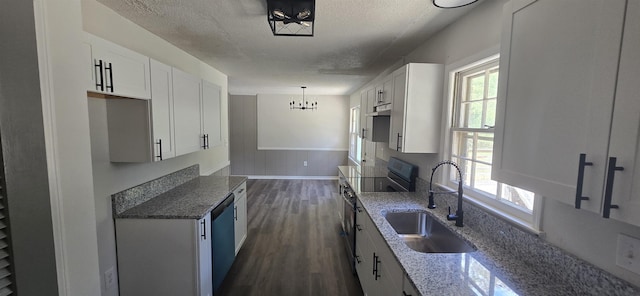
(628, 253)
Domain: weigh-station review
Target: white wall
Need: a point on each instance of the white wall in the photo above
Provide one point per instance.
(584, 234)
(110, 177)
(66, 122)
(280, 128)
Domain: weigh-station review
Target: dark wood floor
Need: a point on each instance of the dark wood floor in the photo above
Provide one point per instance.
(293, 246)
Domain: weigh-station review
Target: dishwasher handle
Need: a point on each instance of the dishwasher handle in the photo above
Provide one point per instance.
(228, 201)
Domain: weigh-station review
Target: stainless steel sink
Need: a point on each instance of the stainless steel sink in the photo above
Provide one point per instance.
(422, 233)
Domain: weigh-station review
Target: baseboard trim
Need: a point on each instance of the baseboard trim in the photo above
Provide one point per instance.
(294, 177)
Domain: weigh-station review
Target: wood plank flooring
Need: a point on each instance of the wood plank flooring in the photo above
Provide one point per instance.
(293, 245)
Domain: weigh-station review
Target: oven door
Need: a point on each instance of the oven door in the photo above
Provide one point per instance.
(348, 226)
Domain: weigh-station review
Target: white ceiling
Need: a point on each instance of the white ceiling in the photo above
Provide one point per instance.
(354, 40)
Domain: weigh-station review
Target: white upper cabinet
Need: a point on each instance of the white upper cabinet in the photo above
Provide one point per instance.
(118, 71)
(556, 93)
(187, 113)
(211, 114)
(416, 108)
(625, 130)
(384, 92)
(162, 111)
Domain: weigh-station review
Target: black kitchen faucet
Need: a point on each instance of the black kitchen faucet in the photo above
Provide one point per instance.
(459, 215)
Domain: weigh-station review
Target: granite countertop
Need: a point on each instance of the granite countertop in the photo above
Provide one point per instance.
(191, 200)
(454, 273)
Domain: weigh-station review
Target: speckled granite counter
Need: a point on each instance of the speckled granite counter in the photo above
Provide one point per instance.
(190, 200)
(507, 261)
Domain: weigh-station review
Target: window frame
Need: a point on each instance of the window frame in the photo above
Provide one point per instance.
(510, 212)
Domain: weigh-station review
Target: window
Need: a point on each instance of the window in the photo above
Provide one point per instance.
(355, 144)
(475, 91)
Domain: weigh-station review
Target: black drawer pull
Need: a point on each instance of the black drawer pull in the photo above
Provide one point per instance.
(608, 193)
(583, 163)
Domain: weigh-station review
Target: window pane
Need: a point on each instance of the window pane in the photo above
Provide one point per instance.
(471, 114)
(463, 144)
(490, 119)
(480, 275)
(475, 88)
(465, 166)
(485, 147)
(492, 92)
(517, 196)
(482, 179)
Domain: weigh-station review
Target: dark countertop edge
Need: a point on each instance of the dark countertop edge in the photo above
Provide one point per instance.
(124, 214)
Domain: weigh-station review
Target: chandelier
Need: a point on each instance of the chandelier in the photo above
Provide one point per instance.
(304, 105)
(291, 17)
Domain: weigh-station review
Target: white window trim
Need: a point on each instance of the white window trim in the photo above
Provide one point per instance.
(355, 161)
(534, 223)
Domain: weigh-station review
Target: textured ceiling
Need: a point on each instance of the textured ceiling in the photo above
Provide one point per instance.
(354, 40)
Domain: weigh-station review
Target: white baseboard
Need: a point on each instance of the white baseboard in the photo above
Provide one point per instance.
(294, 177)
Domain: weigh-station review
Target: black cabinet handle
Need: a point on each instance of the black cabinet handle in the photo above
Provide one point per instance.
(581, 165)
(398, 142)
(110, 68)
(241, 190)
(609, 187)
(207, 137)
(159, 143)
(358, 227)
(405, 293)
(363, 132)
(376, 262)
(204, 229)
(358, 259)
(204, 141)
(235, 213)
(359, 209)
(98, 67)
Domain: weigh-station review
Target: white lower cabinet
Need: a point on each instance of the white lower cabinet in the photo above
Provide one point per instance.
(164, 257)
(240, 215)
(377, 268)
(407, 288)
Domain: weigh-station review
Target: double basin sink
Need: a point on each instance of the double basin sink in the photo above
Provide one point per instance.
(423, 233)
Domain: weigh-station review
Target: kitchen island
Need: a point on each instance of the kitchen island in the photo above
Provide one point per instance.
(179, 234)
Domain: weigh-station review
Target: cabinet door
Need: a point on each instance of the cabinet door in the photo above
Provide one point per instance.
(625, 131)
(125, 72)
(557, 81)
(211, 114)
(407, 288)
(368, 153)
(205, 272)
(240, 216)
(89, 69)
(186, 98)
(387, 90)
(371, 100)
(162, 111)
(397, 111)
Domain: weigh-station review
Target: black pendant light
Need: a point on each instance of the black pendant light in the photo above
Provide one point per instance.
(291, 17)
(452, 3)
(304, 105)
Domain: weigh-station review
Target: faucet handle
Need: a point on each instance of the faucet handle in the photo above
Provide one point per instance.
(452, 217)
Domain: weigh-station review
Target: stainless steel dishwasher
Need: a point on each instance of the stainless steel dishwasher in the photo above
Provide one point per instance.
(223, 242)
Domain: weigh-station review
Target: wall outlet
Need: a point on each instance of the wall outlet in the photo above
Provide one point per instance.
(628, 253)
(305, 163)
(109, 278)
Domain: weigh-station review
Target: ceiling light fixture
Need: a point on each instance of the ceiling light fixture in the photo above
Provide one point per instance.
(291, 17)
(304, 105)
(452, 3)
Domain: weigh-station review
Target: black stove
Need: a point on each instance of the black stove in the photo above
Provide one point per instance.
(401, 178)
